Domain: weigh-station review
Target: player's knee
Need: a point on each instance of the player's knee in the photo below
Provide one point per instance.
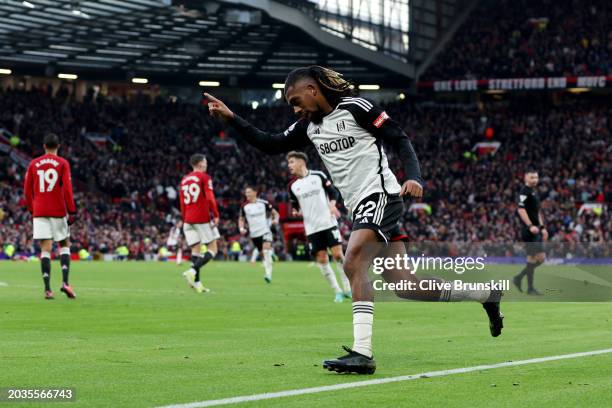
(338, 257)
(350, 269)
(322, 257)
(353, 266)
(46, 245)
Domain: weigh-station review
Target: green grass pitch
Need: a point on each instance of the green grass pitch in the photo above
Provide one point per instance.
(137, 336)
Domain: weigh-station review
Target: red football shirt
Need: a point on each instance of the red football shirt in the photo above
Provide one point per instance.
(197, 198)
(48, 187)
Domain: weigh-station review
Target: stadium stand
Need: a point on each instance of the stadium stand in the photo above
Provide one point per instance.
(526, 38)
(126, 187)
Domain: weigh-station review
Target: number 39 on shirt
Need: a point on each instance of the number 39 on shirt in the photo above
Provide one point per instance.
(191, 192)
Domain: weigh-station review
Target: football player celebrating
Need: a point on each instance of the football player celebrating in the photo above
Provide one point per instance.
(348, 133)
(197, 201)
(50, 200)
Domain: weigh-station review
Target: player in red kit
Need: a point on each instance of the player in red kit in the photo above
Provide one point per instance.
(48, 191)
(197, 202)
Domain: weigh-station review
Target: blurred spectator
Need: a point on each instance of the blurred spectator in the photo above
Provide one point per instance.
(523, 38)
(127, 197)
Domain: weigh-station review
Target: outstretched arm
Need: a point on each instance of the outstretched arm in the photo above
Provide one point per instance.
(272, 143)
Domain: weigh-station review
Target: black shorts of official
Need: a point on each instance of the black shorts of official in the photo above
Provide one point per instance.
(382, 213)
(533, 242)
(320, 241)
(258, 241)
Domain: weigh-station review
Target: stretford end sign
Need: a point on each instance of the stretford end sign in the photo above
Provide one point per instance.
(517, 84)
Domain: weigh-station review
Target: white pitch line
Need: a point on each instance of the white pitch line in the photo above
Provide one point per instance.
(357, 384)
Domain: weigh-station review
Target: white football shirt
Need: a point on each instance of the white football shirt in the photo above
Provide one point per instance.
(256, 215)
(310, 193)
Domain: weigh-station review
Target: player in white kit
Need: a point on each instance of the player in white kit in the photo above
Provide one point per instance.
(174, 243)
(255, 213)
(348, 133)
(312, 192)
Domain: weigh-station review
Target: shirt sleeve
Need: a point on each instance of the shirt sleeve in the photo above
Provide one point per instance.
(375, 120)
(67, 188)
(332, 192)
(523, 197)
(295, 137)
(269, 207)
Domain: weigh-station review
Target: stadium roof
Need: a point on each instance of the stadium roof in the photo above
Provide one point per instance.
(229, 41)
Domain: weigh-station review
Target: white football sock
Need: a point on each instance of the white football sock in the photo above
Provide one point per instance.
(328, 274)
(363, 319)
(254, 255)
(179, 257)
(267, 262)
(346, 284)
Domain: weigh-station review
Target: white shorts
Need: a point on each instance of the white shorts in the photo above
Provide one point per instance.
(51, 228)
(200, 233)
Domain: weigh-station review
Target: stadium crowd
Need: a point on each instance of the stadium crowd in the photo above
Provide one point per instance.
(126, 187)
(522, 38)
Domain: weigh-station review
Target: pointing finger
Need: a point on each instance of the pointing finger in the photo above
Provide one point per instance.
(212, 98)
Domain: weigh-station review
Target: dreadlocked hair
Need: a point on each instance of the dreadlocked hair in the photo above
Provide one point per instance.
(332, 84)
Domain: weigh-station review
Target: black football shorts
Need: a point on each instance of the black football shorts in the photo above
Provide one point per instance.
(382, 213)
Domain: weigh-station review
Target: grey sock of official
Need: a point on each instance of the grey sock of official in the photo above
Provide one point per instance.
(45, 266)
(530, 273)
(529, 267)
